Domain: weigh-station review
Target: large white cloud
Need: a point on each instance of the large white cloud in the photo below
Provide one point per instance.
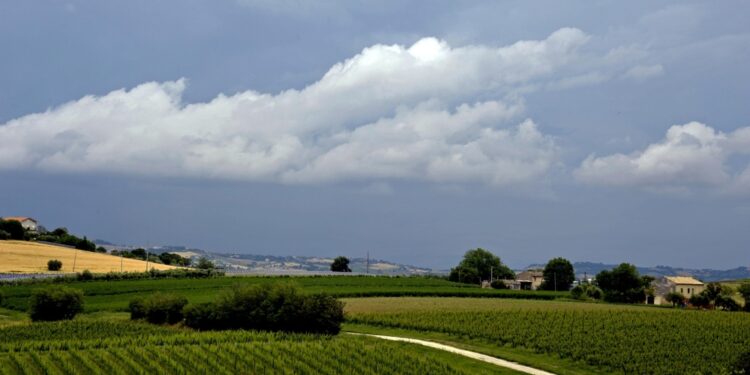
(690, 155)
(390, 112)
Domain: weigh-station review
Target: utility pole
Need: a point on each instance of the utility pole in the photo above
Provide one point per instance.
(555, 281)
(120, 261)
(146, 260)
(75, 256)
(490, 274)
(368, 262)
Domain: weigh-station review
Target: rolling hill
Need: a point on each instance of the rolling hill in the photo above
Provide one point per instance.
(32, 257)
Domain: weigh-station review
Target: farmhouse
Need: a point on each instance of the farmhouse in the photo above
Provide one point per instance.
(26, 222)
(526, 280)
(685, 285)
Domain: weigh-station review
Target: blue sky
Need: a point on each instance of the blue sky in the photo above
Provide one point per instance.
(413, 130)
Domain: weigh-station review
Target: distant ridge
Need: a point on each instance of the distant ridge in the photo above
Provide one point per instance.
(278, 264)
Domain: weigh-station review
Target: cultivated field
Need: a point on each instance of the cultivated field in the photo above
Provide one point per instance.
(115, 346)
(611, 338)
(543, 330)
(32, 257)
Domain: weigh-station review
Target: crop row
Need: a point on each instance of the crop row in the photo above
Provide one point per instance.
(629, 341)
(275, 355)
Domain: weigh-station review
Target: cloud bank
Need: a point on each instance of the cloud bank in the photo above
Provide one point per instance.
(690, 155)
(424, 112)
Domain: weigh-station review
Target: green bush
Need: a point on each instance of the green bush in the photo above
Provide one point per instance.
(54, 265)
(158, 308)
(498, 284)
(4, 235)
(201, 316)
(269, 307)
(586, 291)
(55, 303)
(2, 295)
(85, 276)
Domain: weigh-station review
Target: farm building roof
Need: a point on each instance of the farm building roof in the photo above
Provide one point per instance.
(686, 280)
(18, 218)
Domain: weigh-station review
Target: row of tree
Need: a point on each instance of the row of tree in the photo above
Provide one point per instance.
(622, 284)
(481, 265)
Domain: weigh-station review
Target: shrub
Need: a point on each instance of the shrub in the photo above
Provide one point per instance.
(85, 276)
(700, 300)
(675, 298)
(586, 291)
(158, 308)
(201, 316)
(271, 307)
(54, 265)
(498, 284)
(55, 303)
(2, 295)
(4, 235)
(726, 302)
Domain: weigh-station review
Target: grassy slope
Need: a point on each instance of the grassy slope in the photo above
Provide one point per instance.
(32, 257)
(115, 295)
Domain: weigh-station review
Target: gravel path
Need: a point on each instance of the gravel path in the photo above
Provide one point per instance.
(466, 353)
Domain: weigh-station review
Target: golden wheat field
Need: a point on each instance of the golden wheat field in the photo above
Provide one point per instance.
(32, 257)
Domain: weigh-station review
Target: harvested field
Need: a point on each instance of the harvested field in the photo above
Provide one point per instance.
(32, 257)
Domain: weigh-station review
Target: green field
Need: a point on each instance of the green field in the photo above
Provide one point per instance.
(611, 338)
(540, 330)
(115, 295)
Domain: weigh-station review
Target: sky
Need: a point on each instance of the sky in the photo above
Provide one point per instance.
(412, 130)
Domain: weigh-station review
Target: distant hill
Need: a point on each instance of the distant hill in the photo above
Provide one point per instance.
(32, 257)
(300, 264)
(251, 263)
(260, 263)
(591, 269)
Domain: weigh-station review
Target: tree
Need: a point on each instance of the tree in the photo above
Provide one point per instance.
(173, 259)
(59, 232)
(623, 284)
(726, 302)
(744, 291)
(85, 244)
(558, 275)
(713, 290)
(54, 265)
(139, 253)
(675, 298)
(13, 228)
(340, 264)
(269, 307)
(478, 265)
(205, 264)
(55, 303)
(700, 300)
